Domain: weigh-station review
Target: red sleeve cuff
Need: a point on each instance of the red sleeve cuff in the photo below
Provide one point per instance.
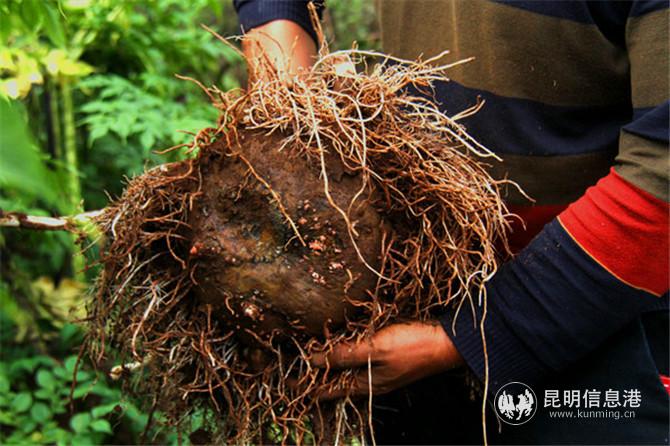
(625, 230)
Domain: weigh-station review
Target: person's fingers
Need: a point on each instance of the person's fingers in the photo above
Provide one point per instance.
(344, 356)
(359, 387)
(344, 66)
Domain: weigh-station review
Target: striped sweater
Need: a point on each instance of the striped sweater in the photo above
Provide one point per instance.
(577, 107)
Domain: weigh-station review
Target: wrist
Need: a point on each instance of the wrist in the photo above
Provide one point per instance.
(447, 356)
(284, 43)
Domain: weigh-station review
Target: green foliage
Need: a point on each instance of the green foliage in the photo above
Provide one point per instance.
(132, 104)
(23, 168)
(123, 115)
(125, 110)
(88, 94)
(353, 21)
(35, 390)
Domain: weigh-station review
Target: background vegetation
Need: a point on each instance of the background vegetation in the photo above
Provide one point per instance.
(87, 94)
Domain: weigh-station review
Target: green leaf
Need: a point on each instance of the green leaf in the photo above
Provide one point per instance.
(97, 132)
(46, 379)
(101, 411)
(101, 389)
(40, 412)
(70, 364)
(61, 373)
(101, 426)
(27, 426)
(9, 419)
(4, 384)
(80, 422)
(83, 376)
(197, 421)
(69, 332)
(23, 365)
(59, 406)
(147, 140)
(53, 26)
(31, 14)
(5, 25)
(44, 394)
(53, 433)
(79, 391)
(22, 402)
(21, 164)
(83, 440)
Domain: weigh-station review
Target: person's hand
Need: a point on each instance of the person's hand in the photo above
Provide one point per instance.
(398, 355)
(284, 43)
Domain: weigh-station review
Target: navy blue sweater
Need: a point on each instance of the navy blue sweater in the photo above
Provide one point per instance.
(577, 106)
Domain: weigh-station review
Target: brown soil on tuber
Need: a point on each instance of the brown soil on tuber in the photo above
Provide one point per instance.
(252, 268)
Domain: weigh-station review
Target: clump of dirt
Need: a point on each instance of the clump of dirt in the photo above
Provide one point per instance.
(315, 211)
(256, 271)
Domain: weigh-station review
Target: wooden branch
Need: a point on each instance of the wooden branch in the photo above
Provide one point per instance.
(67, 223)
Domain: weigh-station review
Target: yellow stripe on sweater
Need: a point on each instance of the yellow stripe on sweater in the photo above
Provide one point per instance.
(647, 40)
(519, 53)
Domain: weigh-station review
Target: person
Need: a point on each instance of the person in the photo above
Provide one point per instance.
(576, 105)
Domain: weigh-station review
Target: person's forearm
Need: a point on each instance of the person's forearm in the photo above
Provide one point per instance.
(588, 274)
(285, 43)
